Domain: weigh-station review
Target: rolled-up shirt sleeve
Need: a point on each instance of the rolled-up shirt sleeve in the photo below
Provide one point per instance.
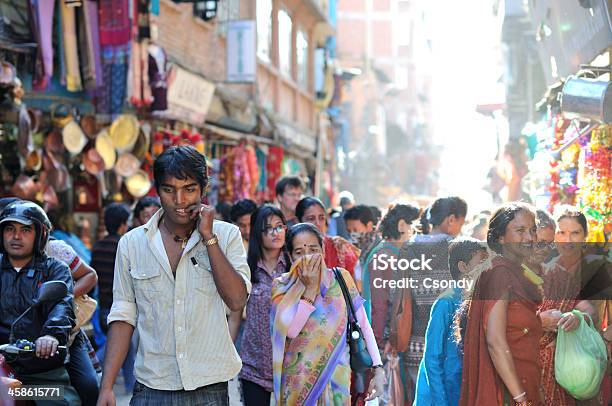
(236, 255)
(124, 300)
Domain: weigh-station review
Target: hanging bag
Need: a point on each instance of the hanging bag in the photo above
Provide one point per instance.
(360, 357)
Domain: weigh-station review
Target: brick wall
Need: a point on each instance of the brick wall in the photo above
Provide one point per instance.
(191, 41)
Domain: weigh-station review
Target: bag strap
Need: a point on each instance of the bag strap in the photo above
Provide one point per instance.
(347, 296)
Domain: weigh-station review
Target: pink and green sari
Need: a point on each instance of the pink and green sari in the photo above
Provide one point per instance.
(312, 368)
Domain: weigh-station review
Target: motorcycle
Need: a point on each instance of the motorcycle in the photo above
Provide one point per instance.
(20, 349)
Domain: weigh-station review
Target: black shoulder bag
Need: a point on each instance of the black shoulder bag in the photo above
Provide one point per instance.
(360, 357)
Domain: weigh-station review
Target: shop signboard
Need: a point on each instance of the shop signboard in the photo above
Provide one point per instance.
(241, 51)
(189, 95)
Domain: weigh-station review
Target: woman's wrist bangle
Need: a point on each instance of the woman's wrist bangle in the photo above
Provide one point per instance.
(377, 366)
(517, 397)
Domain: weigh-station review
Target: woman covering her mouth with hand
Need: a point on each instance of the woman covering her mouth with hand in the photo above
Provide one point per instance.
(309, 316)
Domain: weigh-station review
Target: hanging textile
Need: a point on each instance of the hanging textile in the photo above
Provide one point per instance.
(241, 174)
(60, 43)
(71, 50)
(114, 22)
(273, 168)
(142, 19)
(253, 169)
(263, 177)
(111, 95)
(158, 77)
(41, 13)
(89, 44)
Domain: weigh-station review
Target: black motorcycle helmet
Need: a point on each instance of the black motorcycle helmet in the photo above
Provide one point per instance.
(27, 213)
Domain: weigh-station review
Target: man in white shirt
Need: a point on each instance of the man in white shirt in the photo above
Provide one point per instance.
(175, 279)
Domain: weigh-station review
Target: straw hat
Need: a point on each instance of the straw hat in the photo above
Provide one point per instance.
(127, 165)
(93, 162)
(124, 132)
(34, 160)
(88, 124)
(106, 149)
(143, 143)
(53, 143)
(138, 184)
(74, 138)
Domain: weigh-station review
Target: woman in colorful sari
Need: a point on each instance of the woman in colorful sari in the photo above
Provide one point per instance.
(562, 295)
(501, 348)
(309, 322)
(338, 252)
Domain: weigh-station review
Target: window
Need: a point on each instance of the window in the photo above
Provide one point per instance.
(285, 26)
(227, 10)
(264, 29)
(301, 54)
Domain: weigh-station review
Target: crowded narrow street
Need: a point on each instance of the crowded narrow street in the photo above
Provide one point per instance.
(306, 202)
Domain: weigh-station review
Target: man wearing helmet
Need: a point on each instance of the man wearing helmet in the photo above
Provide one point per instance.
(24, 267)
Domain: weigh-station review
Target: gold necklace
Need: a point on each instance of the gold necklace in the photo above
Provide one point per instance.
(176, 237)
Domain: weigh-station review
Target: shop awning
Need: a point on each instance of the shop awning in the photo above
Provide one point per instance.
(237, 135)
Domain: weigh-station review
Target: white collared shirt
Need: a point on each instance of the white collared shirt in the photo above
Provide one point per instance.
(181, 319)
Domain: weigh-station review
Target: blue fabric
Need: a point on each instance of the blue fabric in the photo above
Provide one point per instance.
(439, 379)
(76, 243)
(82, 372)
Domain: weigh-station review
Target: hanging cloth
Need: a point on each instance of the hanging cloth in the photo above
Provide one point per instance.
(42, 12)
(114, 22)
(71, 50)
(89, 44)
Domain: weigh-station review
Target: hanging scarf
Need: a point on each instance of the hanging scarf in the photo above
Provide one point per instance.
(71, 51)
(114, 22)
(89, 44)
(313, 368)
(42, 19)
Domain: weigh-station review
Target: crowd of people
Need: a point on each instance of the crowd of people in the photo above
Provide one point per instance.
(282, 296)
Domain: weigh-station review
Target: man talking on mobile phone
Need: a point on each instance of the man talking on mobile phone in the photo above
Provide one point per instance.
(175, 280)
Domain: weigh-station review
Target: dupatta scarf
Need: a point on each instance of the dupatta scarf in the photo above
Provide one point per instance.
(312, 368)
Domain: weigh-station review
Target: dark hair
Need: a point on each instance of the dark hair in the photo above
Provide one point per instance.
(441, 209)
(462, 249)
(224, 209)
(304, 204)
(147, 201)
(242, 208)
(182, 163)
(302, 228)
(376, 213)
(388, 225)
(545, 220)
(115, 215)
(360, 212)
(500, 220)
(258, 224)
(289, 181)
(567, 211)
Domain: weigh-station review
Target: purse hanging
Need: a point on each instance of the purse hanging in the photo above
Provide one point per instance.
(360, 357)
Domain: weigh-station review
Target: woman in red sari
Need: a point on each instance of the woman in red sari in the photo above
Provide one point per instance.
(338, 251)
(501, 348)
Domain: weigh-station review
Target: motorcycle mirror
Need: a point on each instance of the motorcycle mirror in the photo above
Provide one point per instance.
(51, 291)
